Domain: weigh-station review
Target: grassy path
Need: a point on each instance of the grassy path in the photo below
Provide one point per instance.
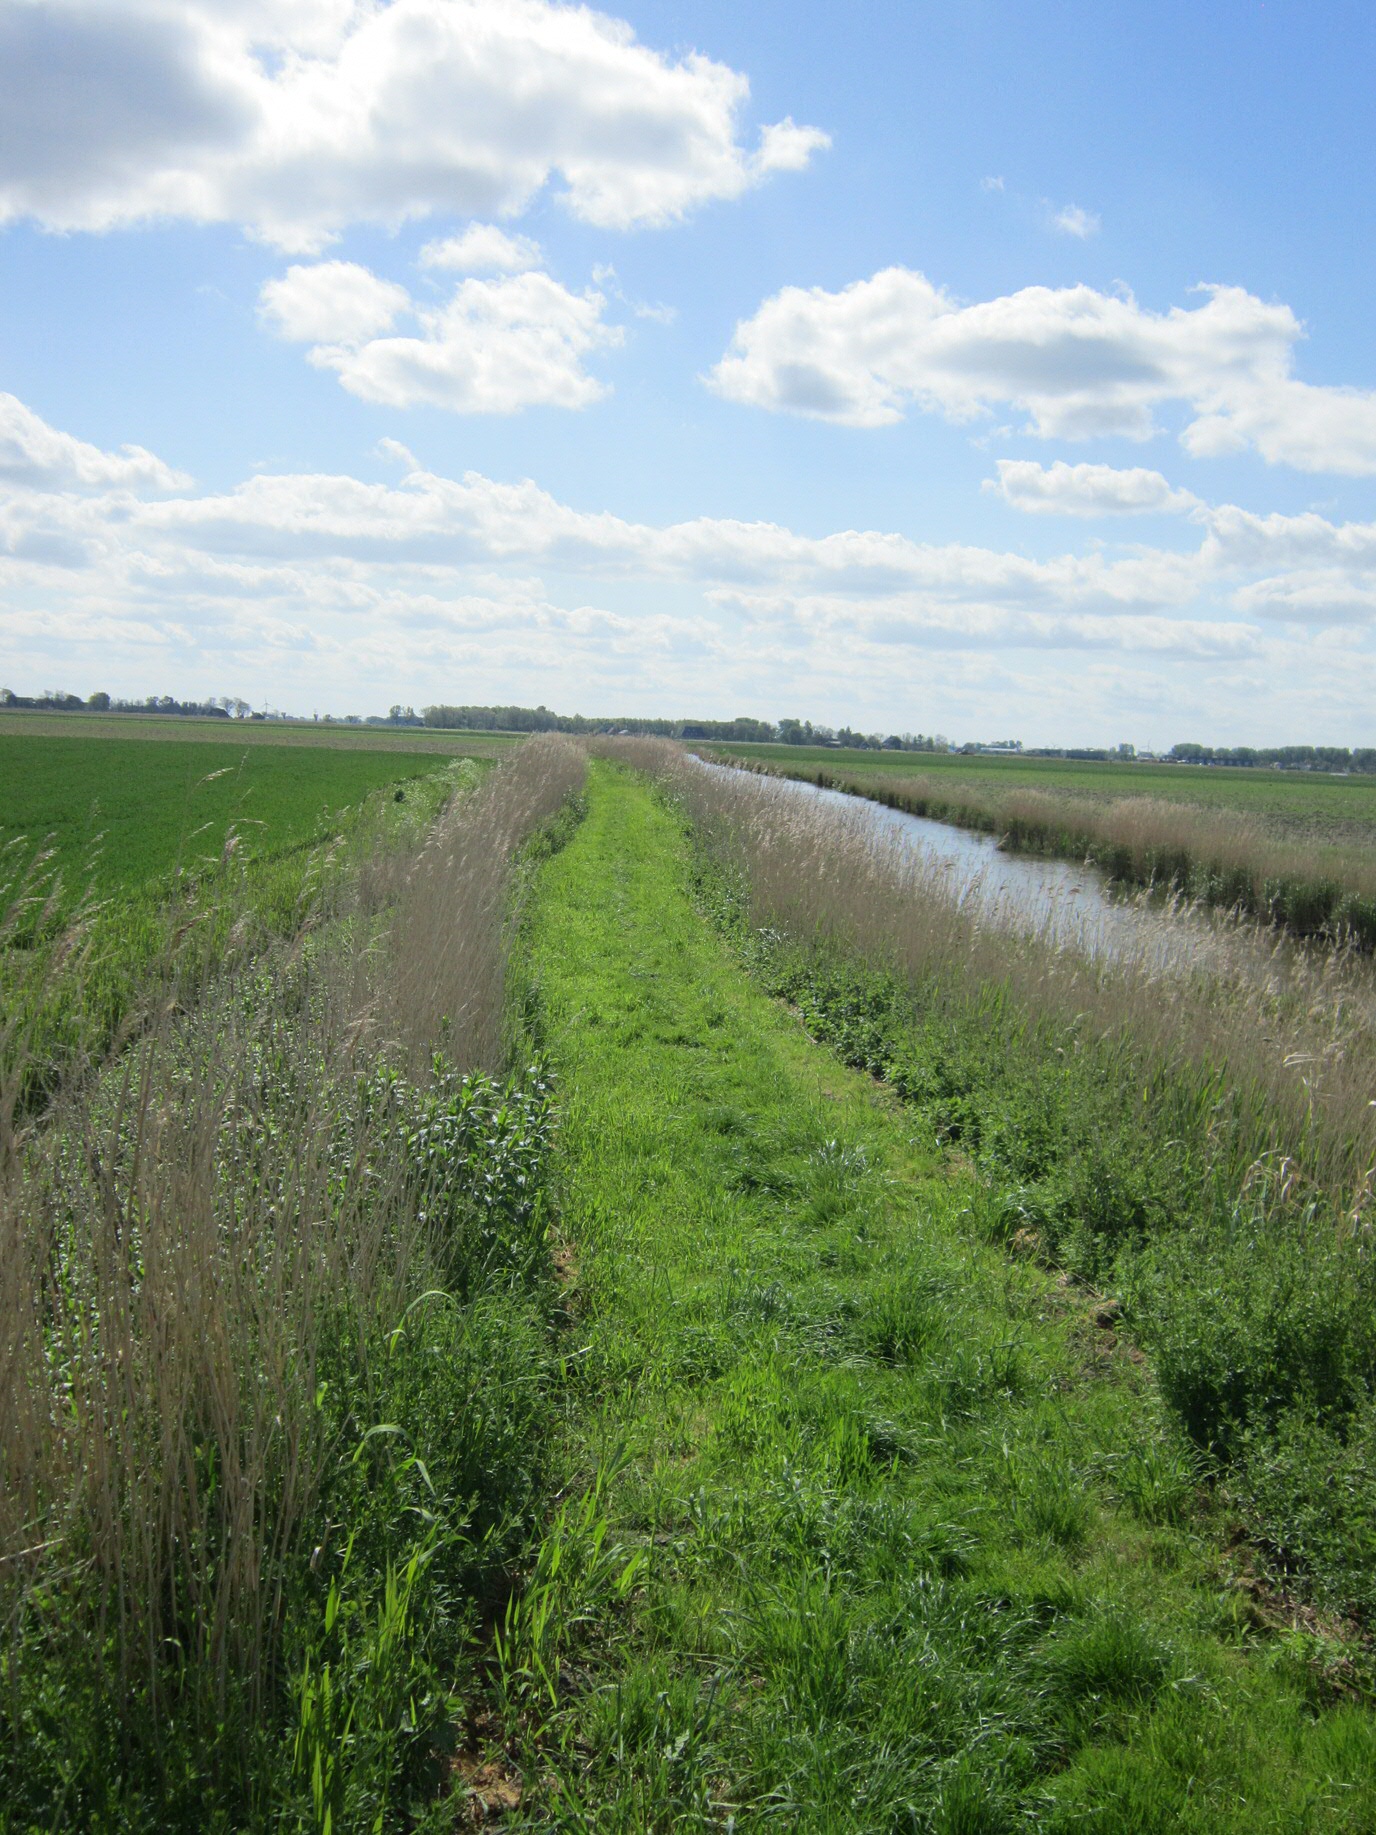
(918, 1552)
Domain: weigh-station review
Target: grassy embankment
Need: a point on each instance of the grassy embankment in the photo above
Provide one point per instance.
(1295, 850)
(889, 1530)
(111, 849)
(275, 1318)
(1200, 1133)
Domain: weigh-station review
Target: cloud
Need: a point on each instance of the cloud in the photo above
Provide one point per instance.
(301, 117)
(1072, 221)
(915, 621)
(331, 302)
(1242, 540)
(1086, 490)
(443, 521)
(482, 249)
(1320, 597)
(786, 147)
(1078, 362)
(495, 347)
(310, 585)
(37, 456)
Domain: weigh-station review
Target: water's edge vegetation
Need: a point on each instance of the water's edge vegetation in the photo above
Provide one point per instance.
(1207, 855)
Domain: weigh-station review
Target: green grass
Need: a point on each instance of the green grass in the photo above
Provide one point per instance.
(154, 807)
(886, 1532)
(1292, 800)
(140, 860)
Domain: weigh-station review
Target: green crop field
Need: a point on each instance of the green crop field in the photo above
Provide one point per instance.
(143, 824)
(1291, 799)
(151, 807)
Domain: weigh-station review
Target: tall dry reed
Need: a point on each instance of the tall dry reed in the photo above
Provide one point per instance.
(1290, 1031)
(200, 1245)
(452, 928)
(1215, 856)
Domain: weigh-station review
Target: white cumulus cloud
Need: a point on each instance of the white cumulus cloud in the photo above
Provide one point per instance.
(482, 249)
(1087, 490)
(496, 346)
(298, 118)
(39, 457)
(331, 302)
(1079, 364)
(1321, 596)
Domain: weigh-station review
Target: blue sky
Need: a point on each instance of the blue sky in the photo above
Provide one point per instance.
(986, 369)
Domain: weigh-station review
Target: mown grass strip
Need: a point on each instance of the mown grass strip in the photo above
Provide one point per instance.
(887, 1531)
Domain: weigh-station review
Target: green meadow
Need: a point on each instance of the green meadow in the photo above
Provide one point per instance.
(191, 729)
(134, 810)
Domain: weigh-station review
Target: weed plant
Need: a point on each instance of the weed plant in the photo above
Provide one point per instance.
(276, 1345)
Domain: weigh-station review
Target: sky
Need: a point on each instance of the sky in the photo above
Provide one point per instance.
(986, 369)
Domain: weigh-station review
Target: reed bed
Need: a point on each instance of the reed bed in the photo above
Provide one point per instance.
(269, 1313)
(455, 915)
(1211, 856)
(1292, 1029)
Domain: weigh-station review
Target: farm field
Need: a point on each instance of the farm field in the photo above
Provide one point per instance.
(155, 806)
(631, 1312)
(188, 729)
(142, 839)
(1311, 802)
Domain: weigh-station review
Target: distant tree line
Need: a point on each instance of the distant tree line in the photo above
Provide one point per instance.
(742, 730)
(218, 707)
(1287, 757)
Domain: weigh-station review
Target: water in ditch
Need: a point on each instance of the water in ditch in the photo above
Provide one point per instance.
(1071, 904)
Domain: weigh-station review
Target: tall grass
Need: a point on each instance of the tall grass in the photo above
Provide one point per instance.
(447, 981)
(1291, 1031)
(83, 965)
(1201, 1139)
(272, 1298)
(1213, 856)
